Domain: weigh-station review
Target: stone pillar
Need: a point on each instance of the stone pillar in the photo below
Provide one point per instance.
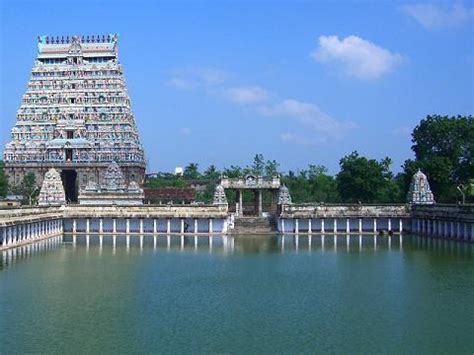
(322, 225)
(74, 225)
(101, 226)
(87, 226)
(182, 226)
(127, 226)
(283, 225)
(168, 225)
(260, 210)
(418, 229)
(360, 225)
(114, 225)
(297, 225)
(375, 225)
(389, 224)
(154, 225)
(400, 225)
(335, 225)
(241, 205)
(210, 225)
(4, 236)
(141, 225)
(195, 226)
(310, 229)
(348, 226)
(9, 235)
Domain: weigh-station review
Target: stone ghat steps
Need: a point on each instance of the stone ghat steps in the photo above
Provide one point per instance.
(253, 225)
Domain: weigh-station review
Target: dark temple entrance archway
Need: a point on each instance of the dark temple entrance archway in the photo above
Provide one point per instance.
(69, 178)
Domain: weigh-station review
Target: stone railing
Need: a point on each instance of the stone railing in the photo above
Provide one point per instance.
(344, 211)
(463, 213)
(13, 216)
(256, 182)
(146, 211)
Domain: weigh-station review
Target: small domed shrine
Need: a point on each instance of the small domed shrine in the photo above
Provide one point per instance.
(420, 192)
(52, 190)
(219, 196)
(284, 197)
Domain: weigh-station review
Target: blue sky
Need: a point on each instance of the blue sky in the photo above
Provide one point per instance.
(303, 82)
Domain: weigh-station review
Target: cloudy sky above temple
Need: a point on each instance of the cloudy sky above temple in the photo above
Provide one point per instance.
(303, 82)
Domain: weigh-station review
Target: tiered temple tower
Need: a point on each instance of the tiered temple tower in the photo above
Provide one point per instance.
(75, 116)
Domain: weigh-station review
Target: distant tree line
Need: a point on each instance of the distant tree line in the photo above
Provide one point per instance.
(443, 148)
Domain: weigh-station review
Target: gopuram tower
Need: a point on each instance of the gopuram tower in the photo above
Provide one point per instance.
(75, 116)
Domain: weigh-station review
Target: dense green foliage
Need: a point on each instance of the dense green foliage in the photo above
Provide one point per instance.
(3, 180)
(443, 148)
(308, 185)
(28, 189)
(367, 180)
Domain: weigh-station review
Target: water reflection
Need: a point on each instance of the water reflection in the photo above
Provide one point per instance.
(25, 252)
(228, 245)
(259, 244)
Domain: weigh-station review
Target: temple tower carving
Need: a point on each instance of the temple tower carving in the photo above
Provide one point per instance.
(75, 116)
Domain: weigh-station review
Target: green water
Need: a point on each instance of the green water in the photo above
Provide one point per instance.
(258, 295)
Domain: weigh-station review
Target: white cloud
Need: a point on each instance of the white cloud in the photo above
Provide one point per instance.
(431, 16)
(246, 94)
(300, 140)
(308, 114)
(211, 76)
(181, 83)
(194, 77)
(358, 57)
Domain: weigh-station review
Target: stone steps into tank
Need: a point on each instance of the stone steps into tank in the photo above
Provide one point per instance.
(253, 225)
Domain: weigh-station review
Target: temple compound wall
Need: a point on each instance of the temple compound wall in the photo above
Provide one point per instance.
(75, 116)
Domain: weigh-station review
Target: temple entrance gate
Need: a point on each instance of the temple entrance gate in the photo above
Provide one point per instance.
(69, 178)
(257, 185)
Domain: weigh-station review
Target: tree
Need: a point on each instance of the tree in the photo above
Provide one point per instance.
(28, 189)
(3, 180)
(271, 168)
(323, 187)
(233, 172)
(258, 166)
(443, 148)
(211, 173)
(191, 171)
(362, 179)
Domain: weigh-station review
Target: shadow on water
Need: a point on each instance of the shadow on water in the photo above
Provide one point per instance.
(229, 245)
